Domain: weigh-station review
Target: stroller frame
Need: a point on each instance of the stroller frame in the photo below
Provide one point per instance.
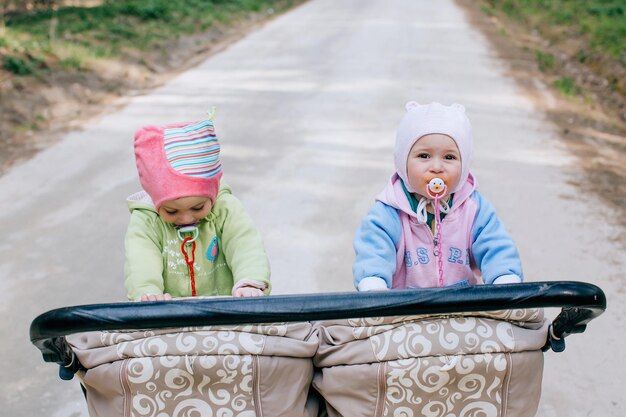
(579, 302)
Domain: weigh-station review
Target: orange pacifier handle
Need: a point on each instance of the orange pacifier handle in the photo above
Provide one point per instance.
(436, 188)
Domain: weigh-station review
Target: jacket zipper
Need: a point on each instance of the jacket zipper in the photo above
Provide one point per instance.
(436, 254)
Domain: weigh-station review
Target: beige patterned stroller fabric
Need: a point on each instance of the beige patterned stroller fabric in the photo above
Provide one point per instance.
(227, 371)
(478, 364)
(473, 364)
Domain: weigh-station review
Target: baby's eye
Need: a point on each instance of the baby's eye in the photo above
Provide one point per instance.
(451, 157)
(171, 211)
(423, 155)
(197, 208)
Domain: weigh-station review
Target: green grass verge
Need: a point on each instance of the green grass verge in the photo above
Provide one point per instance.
(602, 23)
(566, 86)
(592, 31)
(545, 61)
(65, 39)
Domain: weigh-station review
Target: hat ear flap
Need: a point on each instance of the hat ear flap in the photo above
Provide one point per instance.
(458, 107)
(411, 105)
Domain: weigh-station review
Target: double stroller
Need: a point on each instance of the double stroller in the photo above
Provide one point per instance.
(455, 351)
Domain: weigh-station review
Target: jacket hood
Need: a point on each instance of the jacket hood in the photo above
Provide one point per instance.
(424, 119)
(393, 194)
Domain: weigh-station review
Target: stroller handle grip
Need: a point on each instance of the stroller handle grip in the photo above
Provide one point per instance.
(580, 303)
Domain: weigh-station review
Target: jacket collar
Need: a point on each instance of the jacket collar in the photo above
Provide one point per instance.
(393, 194)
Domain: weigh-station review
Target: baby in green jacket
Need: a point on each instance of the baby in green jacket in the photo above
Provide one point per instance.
(188, 235)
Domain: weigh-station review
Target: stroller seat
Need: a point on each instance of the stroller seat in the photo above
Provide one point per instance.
(246, 370)
(484, 363)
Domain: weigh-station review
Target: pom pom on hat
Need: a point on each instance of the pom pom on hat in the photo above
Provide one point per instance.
(180, 160)
(420, 120)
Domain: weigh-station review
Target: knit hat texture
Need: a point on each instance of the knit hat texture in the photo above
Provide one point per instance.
(179, 160)
(424, 119)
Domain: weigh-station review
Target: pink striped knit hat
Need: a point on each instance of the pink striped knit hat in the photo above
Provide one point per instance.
(179, 160)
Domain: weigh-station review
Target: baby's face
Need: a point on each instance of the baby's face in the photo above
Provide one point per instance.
(185, 210)
(432, 156)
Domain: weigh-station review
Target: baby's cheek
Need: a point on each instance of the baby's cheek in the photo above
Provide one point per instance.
(206, 211)
(453, 184)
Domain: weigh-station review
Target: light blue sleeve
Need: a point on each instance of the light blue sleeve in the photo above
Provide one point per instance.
(375, 244)
(493, 248)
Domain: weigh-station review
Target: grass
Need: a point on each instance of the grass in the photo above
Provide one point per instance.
(602, 23)
(592, 31)
(545, 61)
(36, 42)
(566, 86)
(17, 65)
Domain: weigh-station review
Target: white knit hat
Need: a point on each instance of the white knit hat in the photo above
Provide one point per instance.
(420, 120)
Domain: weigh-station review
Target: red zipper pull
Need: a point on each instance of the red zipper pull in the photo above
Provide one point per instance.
(190, 262)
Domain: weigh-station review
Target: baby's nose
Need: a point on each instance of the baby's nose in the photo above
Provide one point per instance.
(436, 166)
(186, 219)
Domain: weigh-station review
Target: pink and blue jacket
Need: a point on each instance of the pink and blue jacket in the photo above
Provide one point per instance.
(392, 245)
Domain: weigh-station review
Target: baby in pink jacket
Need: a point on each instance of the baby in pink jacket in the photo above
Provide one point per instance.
(430, 227)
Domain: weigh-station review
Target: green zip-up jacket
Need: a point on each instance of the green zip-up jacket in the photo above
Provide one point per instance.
(155, 263)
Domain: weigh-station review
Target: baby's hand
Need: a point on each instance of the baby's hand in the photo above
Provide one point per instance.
(247, 292)
(156, 297)
(507, 279)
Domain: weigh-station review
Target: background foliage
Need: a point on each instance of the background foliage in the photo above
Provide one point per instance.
(589, 32)
(53, 35)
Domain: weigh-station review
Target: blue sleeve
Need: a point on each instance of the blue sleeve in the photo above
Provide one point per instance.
(375, 244)
(493, 248)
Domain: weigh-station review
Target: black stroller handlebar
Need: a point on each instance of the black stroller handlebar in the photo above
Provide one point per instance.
(579, 302)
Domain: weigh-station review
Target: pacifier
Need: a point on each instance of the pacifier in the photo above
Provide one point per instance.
(188, 229)
(436, 188)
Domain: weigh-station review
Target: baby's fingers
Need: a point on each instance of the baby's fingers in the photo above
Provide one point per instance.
(248, 292)
(156, 297)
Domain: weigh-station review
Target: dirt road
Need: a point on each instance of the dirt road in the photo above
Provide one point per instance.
(306, 109)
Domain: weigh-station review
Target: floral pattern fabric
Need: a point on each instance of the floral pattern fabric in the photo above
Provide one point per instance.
(199, 371)
(427, 365)
(436, 366)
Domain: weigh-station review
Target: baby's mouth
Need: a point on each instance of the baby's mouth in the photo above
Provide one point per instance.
(429, 179)
(188, 228)
(180, 226)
